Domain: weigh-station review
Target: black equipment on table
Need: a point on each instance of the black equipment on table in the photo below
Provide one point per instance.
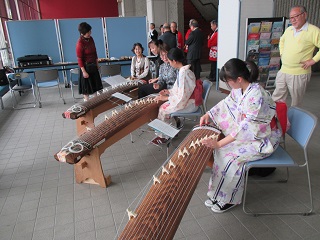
(34, 60)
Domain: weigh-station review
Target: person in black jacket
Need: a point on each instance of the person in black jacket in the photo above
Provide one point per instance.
(195, 42)
(168, 37)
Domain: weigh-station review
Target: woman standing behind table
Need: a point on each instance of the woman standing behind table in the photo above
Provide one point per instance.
(89, 79)
(140, 63)
(178, 99)
(244, 117)
(166, 79)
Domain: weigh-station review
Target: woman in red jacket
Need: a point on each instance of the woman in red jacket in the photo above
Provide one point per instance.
(213, 53)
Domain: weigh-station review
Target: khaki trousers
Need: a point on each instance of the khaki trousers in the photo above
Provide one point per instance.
(296, 85)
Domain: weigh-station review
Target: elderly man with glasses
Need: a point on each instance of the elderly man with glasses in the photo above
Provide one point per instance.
(296, 45)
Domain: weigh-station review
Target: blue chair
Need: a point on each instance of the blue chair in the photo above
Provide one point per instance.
(46, 79)
(302, 126)
(21, 82)
(201, 109)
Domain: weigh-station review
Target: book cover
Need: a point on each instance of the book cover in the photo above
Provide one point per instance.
(263, 61)
(274, 54)
(265, 48)
(253, 42)
(265, 35)
(275, 61)
(275, 41)
(265, 41)
(253, 49)
(276, 35)
(254, 27)
(264, 55)
(266, 27)
(277, 27)
(253, 36)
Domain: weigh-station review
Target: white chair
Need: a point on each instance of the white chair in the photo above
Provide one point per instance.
(47, 79)
(21, 82)
(74, 81)
(201, 109)
(302, 127)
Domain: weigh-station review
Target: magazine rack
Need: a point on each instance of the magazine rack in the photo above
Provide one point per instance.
(262, 47)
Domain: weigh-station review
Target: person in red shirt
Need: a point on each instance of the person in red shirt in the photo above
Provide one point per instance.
(179, 37)
(213, 53)
(89, 79)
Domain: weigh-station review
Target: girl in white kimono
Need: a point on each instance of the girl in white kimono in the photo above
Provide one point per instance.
(244, 118)
(178, 97)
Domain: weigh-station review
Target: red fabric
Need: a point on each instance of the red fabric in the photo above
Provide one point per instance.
(281, 115)
(186, 37)
(86, 51)
(180, 40)
(197, 92)
(212, 45)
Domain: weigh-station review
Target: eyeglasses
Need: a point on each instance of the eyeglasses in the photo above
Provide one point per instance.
(295, 17)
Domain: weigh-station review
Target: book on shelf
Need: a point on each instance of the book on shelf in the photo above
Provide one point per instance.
(265, 41)
(266, 27)
(274, 61)
(264, 54)
(274, 54)
(277, 26)
(265, 35)
(276, 35)
(265, 47)
(253, 49)
(274, 47)
(253, 42)
(275, 41)
(254, 27)
(263, 61)
(253, 36)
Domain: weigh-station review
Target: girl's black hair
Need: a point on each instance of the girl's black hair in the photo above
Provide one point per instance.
(84, 28)
(164, 47)
(176, 54)
(156, 42)
(235, 68)
(137, 44)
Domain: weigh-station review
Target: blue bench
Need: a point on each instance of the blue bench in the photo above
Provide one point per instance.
(3, 90)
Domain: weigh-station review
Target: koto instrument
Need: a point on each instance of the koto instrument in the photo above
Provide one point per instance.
(160, 212)
(76, 149)
(80, 109)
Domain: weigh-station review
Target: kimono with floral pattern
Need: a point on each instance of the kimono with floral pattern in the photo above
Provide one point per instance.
(246, 117)
(179, 95)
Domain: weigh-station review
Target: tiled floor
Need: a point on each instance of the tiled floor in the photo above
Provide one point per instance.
(40, 200)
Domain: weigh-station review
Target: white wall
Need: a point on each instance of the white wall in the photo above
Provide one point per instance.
(232, 19)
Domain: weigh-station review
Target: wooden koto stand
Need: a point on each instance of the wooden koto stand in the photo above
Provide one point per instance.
(89, 167)
(87, 163)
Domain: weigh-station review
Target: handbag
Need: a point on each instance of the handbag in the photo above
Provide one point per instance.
(3, 78)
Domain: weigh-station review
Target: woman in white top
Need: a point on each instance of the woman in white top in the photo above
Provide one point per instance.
(140, 63)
